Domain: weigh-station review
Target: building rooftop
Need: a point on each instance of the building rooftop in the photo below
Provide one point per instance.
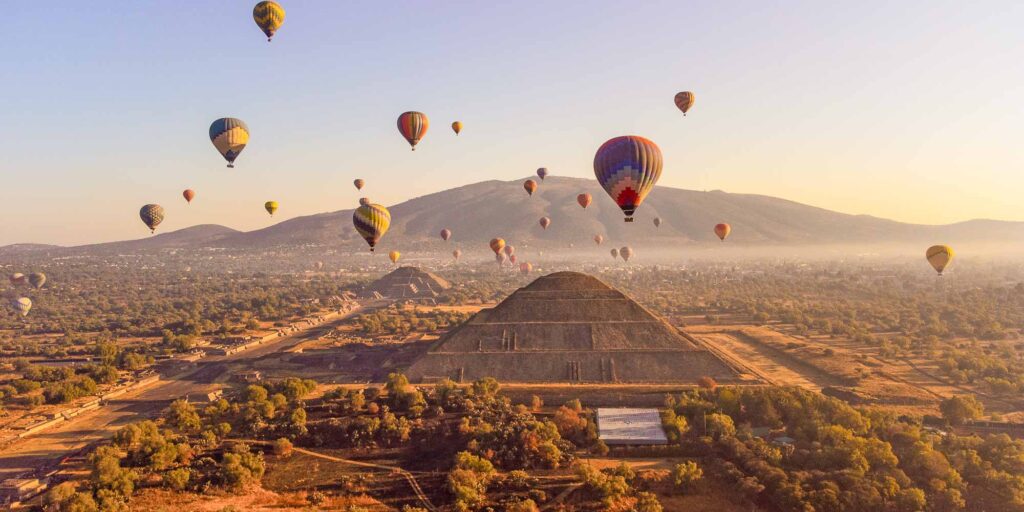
(624, 426)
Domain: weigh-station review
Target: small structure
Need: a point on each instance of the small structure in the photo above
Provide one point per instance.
(16, 490)
(249, 376)
(627, 426)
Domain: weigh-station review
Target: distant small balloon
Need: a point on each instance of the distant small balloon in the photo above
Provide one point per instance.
(16, 278)
(584, 200)
(626, 253)
(939, 256)
(359, 183)
(394, 255)
(542, 172)
(457, 127)
(456, 254)
(530, 186)
(598, 239)
(615, 253)
(363, 201)
(37, 280)
(446, 234)
(684, 101)
(269, 16)
(544, 222)
(509, 250)
(657, 222)
(22, 305)
(497, 244)
(722, 230)
(189, 195)
(525, 268)
(152, 215)
(271, 207)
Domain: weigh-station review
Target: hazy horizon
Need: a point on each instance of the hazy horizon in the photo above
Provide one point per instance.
(905, 112)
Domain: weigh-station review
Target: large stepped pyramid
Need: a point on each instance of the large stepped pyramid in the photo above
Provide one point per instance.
(407, 283)
(568, 327)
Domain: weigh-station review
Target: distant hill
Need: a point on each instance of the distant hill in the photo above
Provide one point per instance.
(478, 212)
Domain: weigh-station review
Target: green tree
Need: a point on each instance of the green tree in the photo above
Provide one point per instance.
(959, 409)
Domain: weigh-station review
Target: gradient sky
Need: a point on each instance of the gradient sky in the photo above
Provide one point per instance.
(906, 110)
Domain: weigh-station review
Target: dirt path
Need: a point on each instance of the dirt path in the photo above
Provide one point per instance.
(765, 362)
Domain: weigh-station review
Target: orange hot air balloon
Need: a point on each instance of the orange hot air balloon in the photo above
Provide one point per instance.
(413, 126)
(446, 234)
(584, 200)
(530, 186)
(359, 183)
(525, 267)
(456, 254)
(684, 101)
(189, 194)
(497, 245)
(598, 239)
(457, 127)
(544, 222)
(394, 255)
(722, 230)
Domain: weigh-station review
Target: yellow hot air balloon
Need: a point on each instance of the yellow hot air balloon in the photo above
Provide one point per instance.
(939, 256)
(457, 127)
(372, 222)
(530, 186)
(497, 244)
(394, 255)
(271, 207)
(269, 16)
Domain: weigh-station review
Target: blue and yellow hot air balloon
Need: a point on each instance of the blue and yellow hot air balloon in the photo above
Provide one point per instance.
(371, 221)
(628, 167)
(229, 136)
(269, 16)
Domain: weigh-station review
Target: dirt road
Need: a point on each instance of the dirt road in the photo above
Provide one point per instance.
(35, 454)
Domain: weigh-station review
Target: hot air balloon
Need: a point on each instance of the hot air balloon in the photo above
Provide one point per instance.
(22, 305)
(497, 244)
(722, 230)
(598, 239)
(413, 126)
(152, 215)
(269, 16)
(525, 267)
(615, 253)
(584, 200)
(657, 222)
(626, 252)
(394, 255)
(509, 250)
(371, 221)
(628, 167)
(229, 136)
(542, 172)
(684, 101)
(37, 280)
(457, 127)
(457, 254)
(319, 265)
(512, 259)
(189, 195)
(530, 186)
(939, 256)
(16, 278)
(544, 222)
(359, 183)
(363, 201)
(446, 234)
(500, 257)
(271, 207)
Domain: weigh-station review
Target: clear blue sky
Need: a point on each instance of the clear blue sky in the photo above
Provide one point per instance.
(907, 110)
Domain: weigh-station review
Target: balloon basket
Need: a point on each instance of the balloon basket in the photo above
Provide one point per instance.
(628, 219)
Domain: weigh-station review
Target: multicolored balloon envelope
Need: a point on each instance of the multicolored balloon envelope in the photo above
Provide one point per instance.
(628, 167)
(372, 222)
(684, 101)
(497, 244)
(457, 127)
(271, 207)
(722, 230)
(269, 16)
(22, 305)
(530, 186)
(359, 183)
(525, 267)
(229, 136)
(152, 215)
(413, 126)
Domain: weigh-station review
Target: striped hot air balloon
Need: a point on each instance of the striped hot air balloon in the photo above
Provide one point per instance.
(684, 101)
(229, 136)
(722, 230)
(628, 167)
(372, 222)
(939, 256)
(189, 195)
(152, 215)
(22, 305)
(269, 16)
(413, 126)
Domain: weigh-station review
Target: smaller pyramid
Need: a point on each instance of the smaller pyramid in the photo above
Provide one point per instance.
(407, 283)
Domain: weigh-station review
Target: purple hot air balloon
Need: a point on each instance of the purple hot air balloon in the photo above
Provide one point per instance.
(628, 167)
